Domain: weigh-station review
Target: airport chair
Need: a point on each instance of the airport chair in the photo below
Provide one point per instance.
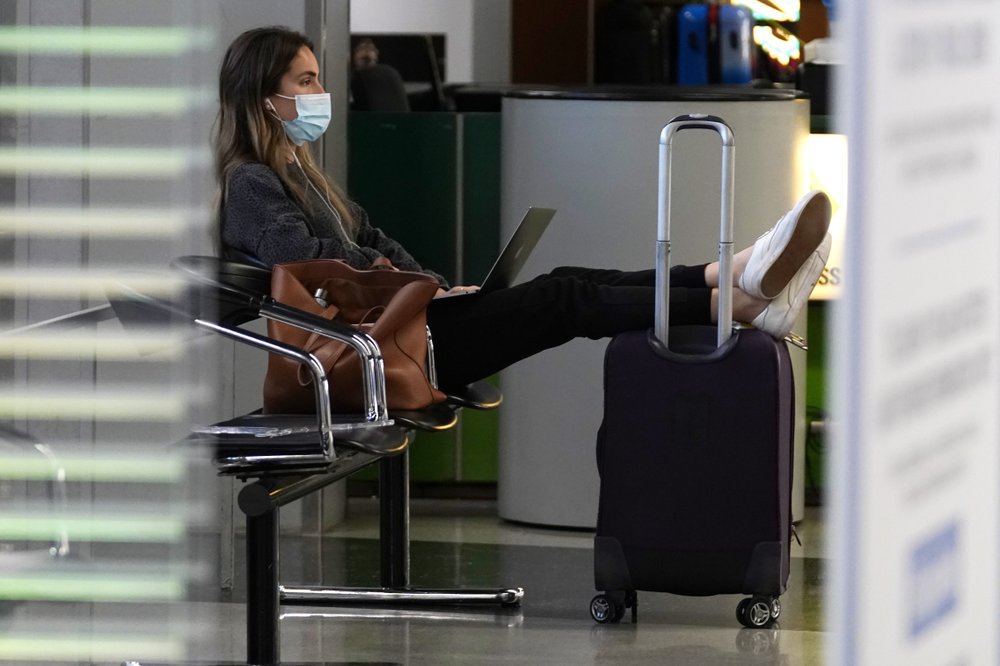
(279, 470)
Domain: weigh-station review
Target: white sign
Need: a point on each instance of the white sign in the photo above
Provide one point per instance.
(915, 461)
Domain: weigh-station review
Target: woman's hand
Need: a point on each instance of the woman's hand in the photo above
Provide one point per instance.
(464, 289)
(457, 290)
(382, 264)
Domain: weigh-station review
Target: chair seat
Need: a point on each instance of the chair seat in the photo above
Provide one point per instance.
(297, 434)
(477, 395)
(437, 417)
(248, 467)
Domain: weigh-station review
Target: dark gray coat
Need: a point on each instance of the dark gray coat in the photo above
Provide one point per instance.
(261, 219)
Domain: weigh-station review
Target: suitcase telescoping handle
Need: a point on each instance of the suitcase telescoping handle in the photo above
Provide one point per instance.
(725, 312)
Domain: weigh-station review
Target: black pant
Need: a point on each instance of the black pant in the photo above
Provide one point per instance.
(480, 334)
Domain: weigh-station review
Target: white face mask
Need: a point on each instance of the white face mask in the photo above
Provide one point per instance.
(314, 113)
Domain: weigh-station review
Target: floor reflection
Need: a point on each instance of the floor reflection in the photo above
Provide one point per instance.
(552, 626)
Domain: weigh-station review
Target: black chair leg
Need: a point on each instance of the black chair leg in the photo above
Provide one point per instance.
(394, 523)
(394, 508)
(263, 644)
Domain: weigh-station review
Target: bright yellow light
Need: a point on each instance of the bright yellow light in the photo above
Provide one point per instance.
(50, 646)
(101, 162)
(90, 526)
(116, 586)
(106, 101)
(773, 10)
(137, 346)
(113, 41)
(62, 403)
(67, 283)
(97, 467)
(782, 49)
(116, 222)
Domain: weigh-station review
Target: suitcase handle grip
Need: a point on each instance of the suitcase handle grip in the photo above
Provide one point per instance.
(700, 121)
(725, 311)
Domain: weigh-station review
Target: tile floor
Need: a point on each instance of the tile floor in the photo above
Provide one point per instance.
(464, 543)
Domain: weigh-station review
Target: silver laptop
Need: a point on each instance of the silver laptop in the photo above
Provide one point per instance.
(516, 252)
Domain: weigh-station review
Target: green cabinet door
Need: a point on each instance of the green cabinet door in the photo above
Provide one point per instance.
(432, 182)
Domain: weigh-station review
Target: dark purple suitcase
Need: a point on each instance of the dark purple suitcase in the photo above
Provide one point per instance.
(695, 451)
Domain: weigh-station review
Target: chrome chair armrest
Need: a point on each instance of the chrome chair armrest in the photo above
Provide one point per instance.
(132, 304)
(247, 293)
(432, 375)
(320, 384)
(372, 363)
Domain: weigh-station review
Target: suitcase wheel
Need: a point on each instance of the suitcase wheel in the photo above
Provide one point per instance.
(758, 611)
(609, 608)
(604, 611)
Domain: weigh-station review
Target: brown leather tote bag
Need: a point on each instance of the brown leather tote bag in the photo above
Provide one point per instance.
(389, 305)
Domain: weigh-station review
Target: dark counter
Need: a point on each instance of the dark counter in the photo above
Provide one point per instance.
(488, 97)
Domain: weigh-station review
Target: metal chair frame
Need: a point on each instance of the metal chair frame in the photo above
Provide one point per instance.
(279, 479)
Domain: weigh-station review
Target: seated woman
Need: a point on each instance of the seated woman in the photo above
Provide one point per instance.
(276, 205)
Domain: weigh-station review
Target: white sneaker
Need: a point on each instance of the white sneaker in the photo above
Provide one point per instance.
(779, 316)
(780, 251)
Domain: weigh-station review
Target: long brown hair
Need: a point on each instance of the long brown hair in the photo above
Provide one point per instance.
(246, 132)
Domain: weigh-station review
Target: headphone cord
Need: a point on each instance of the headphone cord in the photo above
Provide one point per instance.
(326, 201)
